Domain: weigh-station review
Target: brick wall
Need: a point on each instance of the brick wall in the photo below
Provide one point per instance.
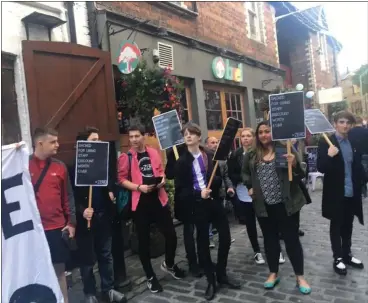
(218, 23)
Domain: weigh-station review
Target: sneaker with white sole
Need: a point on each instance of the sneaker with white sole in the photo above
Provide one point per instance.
(281, 259)
(353, 262)
(212, 244)
(153, 285)
(175, 271)
(258, 258)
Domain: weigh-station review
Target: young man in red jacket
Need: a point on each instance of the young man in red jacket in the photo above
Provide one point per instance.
(54, 198)
(141, 175)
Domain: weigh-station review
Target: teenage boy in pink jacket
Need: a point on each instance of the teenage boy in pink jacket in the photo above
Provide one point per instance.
(149, 204)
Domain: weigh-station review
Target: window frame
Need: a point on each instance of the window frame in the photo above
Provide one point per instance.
(258, 16)
(222, 90)
(323, 52)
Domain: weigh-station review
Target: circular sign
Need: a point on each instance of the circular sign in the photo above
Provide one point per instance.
(218, 67)
(128, 57)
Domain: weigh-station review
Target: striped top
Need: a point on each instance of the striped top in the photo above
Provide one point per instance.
(199, 172)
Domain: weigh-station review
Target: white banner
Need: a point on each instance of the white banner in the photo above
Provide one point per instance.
(27, 271)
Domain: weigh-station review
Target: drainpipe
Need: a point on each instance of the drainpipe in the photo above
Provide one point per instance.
(71, 20)
(335, 69)
(92, 23)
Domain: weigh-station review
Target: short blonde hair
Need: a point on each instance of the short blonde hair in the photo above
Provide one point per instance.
(248, 129)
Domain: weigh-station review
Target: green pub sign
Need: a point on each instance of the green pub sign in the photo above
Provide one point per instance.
(223, 70)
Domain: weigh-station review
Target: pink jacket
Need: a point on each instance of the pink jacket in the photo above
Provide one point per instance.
(158, 171)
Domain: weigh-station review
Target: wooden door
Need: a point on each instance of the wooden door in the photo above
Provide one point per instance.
(70, 86)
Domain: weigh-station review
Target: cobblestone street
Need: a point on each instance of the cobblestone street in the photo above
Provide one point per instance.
(326, 285)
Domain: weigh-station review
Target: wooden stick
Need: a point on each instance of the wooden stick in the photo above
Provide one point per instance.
(290, 168)
(213, 175)
(268, 116)
(176, 152)
(89, 204)
(327, 139)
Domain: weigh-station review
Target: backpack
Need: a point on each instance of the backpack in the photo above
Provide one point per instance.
(124, 197)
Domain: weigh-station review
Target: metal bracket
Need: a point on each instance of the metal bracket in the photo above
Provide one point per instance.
(266, 82)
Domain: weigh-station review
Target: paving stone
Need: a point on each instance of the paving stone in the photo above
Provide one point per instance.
(327, 286)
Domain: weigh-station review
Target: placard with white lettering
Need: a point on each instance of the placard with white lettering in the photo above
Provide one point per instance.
(312, 152)
(92, 163)
(168, 129)
(287, 116)
(317, 122)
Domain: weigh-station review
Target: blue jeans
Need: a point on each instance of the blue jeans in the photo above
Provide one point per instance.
(99, 241)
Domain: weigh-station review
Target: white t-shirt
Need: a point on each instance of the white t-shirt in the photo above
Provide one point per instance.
(199, 172)
(242, 192)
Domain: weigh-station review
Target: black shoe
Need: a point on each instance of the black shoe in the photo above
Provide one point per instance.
(340, 267)
(354, 262)
(211, 290)
(175, 271)
(90, 299)
(228, 282)
(153, 285)
(195, 271)
(301, 233)
(114, 296)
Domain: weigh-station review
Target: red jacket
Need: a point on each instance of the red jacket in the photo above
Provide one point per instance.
(55, 198)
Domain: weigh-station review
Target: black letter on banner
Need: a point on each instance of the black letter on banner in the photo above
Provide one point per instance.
(9, 229)
(35, 293)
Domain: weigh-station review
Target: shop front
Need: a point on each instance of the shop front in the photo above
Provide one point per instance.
(216, 85)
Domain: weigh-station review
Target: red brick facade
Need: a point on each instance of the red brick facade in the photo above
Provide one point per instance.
(220, 23)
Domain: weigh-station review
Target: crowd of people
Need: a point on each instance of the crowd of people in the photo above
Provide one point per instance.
(259, 190)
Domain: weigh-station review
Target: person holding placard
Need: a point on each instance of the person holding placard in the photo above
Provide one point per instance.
(95, 244)
(196, 202)
(277, 202)
(149, 204)
(243, 201)
(55, 200)
(342, 190)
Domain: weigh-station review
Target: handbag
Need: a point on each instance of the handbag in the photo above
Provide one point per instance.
(124, 197)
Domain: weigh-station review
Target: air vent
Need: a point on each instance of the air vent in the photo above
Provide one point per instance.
(166, 53)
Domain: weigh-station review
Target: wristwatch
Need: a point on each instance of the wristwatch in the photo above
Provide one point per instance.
(138, 187)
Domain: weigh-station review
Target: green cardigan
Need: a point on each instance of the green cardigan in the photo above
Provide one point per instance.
(292, 195)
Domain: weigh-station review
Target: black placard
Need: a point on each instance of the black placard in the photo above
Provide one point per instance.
(287, 116)
(316, 122)
(227, 139)
(168, 129)
(312, 152)
(92, 163)
(280, 159)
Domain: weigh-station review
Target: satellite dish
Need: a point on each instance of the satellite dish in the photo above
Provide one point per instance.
(299, 87)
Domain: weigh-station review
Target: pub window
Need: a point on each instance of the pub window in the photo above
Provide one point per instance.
(212, 102)
(233, 106)
(10, 127)
(186, 105)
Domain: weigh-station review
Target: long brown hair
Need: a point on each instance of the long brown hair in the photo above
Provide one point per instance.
(259, 148)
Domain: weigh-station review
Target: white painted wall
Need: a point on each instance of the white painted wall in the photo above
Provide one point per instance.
(14, 32)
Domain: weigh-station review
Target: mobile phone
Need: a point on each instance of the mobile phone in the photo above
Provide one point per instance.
(158, 180)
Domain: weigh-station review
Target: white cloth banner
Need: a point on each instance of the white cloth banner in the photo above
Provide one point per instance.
(27, 271)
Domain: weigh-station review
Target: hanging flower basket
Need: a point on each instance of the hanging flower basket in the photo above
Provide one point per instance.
(145, 90)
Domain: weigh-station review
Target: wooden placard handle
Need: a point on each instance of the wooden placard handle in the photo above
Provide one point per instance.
(327, 139)
(89, 205)
(175, 150)
(212, 175)
(290, 168)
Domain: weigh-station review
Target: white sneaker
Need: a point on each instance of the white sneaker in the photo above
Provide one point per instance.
(259, 258)
(281, 259)
(212, 244)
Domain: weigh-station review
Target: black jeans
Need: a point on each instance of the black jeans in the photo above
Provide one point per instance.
(341, 231)
(279, 222)
(118, 251)
(247, 213)
(190, 244)
(97, 240)
(151, 211)
(206, 212)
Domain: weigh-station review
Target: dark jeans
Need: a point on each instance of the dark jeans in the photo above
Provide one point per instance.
(148, 212)
(206, 212)
(189, 244)
(118, 251)
(341, 231)
(247, 213)
(98, 242)
(279, 222)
